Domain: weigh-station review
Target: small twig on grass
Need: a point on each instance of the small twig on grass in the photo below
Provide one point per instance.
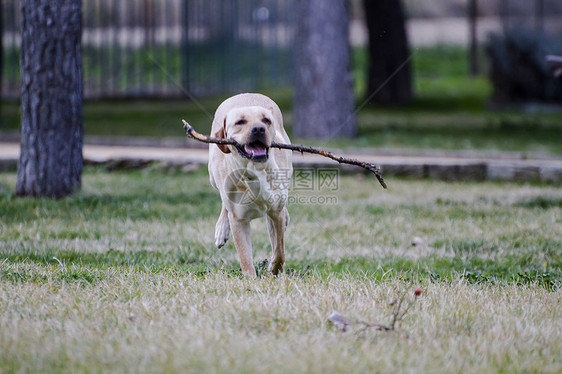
(397, 315)
(298, 148)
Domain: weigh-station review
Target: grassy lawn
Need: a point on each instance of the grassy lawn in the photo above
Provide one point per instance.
(124, 276)
(450, 112)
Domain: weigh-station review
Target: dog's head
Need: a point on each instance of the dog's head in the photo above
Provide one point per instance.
(252, 128)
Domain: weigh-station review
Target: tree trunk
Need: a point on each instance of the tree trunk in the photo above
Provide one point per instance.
(389, 78)
(323, 101)
(473, 33)
(52, 129)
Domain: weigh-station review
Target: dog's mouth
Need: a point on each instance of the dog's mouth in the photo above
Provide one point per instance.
(255, 151)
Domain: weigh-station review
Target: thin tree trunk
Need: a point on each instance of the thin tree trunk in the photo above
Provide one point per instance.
(323, 102)
(473, 22)
(52, 129)
(389, 77)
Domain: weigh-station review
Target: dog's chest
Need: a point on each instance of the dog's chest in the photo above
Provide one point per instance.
(252, 194)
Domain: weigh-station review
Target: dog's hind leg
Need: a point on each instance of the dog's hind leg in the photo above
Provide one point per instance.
(222, 229)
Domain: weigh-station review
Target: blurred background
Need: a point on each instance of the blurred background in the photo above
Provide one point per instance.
(479, 79)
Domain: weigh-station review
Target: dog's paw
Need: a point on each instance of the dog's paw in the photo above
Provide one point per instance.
(221, 235)
(222, 229)
(275, 267)
(220, 241)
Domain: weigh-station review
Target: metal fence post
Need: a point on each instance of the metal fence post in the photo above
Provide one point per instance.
(184, 46)
(539, 16)
(472, 20)
(504, 15)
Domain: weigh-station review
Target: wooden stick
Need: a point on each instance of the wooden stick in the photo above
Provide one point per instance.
(299, 148)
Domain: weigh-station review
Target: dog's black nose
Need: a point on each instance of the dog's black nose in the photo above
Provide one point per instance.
(258, 130)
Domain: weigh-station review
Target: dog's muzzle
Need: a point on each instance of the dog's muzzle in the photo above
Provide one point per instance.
(256, 150)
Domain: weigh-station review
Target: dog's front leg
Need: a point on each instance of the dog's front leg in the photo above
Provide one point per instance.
(222, 229)
(240, 230)
(276, 224)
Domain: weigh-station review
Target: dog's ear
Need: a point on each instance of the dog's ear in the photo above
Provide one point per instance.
(272, 112)
(222, 134)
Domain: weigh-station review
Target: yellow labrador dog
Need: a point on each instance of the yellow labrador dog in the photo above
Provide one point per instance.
(252, 179)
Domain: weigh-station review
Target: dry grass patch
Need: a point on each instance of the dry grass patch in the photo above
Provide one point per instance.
(124, 277)
(141, 321)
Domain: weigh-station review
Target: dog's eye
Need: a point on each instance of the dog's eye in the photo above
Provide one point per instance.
(241, 122)
(266, 120)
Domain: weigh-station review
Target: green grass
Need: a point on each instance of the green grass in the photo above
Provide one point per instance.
(450, 112)
(150, 218)
(124, 276)
(151, 69)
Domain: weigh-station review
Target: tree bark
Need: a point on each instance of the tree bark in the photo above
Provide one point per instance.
(389, 78)
(323, 99)
(52, 129)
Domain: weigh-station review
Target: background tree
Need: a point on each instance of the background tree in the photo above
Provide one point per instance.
(52, 127)
(323, 100)
(389, 74)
